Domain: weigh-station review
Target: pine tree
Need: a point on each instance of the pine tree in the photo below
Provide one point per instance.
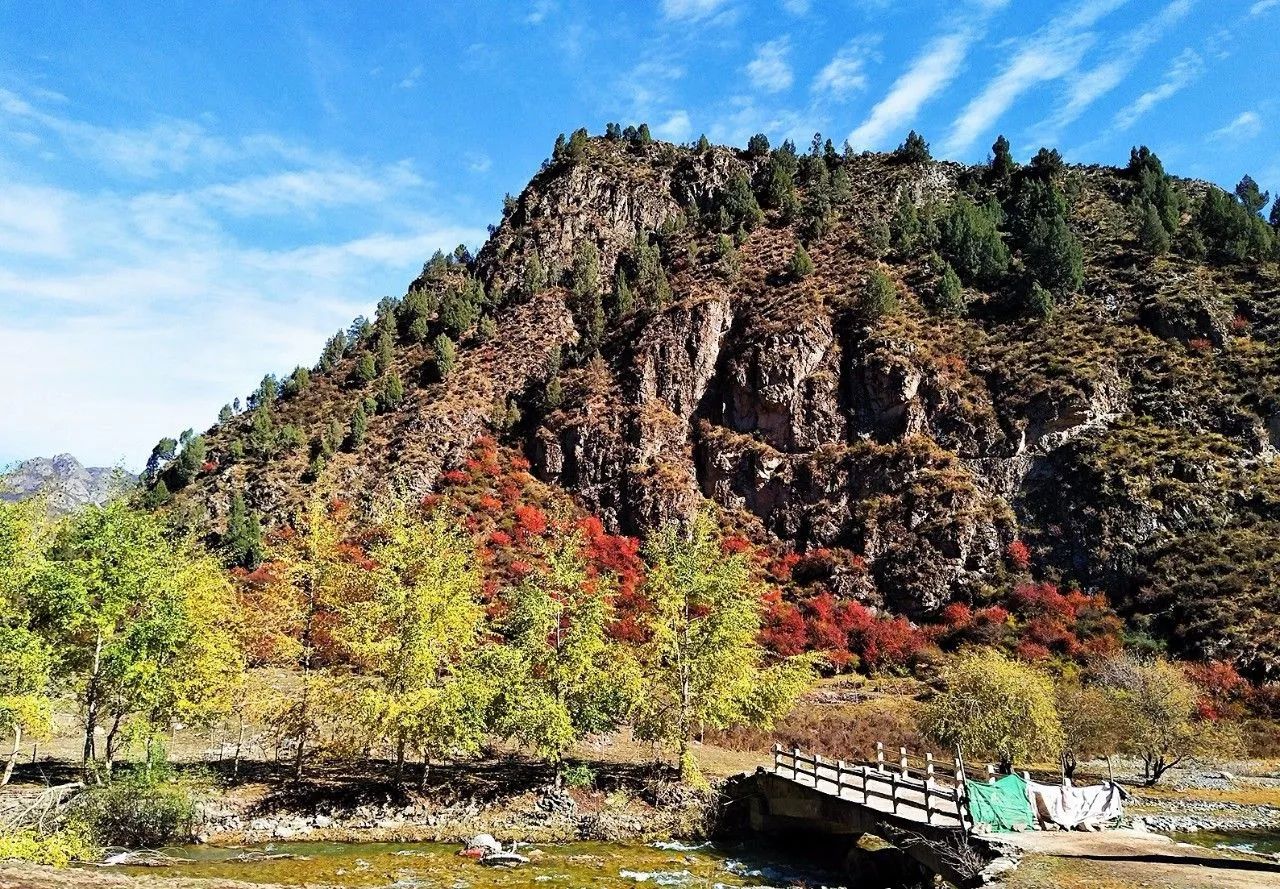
(297, 382)
(758, 145)
(1039, 301)
(905, 225)
(392, 392)
(623, 298)
(703, 145)
(1151, 231)
(1250, 196)
(446, 356)
(738, 205)
(385, 356)
(800, 266)
(358, 428)
(913, 150)
(971, 242)
(225, 414)
(1002, 163)
(534, 279)
(366, 368)
(879, 296)
(1054, 256)
(949, 295)
(243, 540)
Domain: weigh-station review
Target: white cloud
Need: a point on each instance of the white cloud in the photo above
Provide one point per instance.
(796, 7)
(844, 74)
(691, 10)
(133, 314)
(1092, 85)
(1245, 126)
(1181, 74)
(676, 128)
(1262, 6)
(479, 163)
(411, 79)
(539, 11)
(1053, 52)
(769, 70)
(928, 73)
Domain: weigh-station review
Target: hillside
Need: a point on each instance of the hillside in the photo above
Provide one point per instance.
(934, 394)
(64, 481)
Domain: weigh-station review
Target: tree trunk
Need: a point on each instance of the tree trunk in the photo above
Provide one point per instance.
(13, 754)
(400, 744)
(235, 764)
(91, 710)
(111, 745)
(426, 768)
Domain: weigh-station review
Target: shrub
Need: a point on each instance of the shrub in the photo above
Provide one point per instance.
(579, 775)
(948, 296)
(138, 812)
(446, 356)
(879, 296)
(1038, 301)
(800, 265)
(971, 242)
(1151, 231)
(55, 848)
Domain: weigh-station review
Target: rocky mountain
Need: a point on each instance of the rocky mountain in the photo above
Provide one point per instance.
(64, 481)
(953, 374)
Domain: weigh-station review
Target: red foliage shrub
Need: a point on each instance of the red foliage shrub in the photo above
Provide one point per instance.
(1218, 681)
(530, 520)
(520, 464)
(500, 539)
(1200, 344)
(208, 466)
(1018, 554)
(780, 568)
(489, 503)
(1239, 325)
(1031, 652)
(734, 544)
(783, 629)
(891, 643)
(455, 477)
(957, 616)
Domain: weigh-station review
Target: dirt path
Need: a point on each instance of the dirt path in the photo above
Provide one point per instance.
(1124, 858)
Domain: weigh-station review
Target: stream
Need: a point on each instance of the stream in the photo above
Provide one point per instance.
(437, 865)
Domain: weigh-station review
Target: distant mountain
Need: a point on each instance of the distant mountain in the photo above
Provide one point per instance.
(63, 479)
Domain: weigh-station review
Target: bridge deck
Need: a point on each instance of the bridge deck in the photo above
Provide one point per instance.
(881, 788)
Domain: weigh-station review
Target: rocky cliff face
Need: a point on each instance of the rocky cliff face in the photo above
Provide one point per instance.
(1141, 415)
(65, 483)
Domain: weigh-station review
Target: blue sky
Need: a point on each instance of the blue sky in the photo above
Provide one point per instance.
(192, 194)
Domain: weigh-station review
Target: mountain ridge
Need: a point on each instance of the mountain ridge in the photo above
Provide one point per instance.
(689, 354)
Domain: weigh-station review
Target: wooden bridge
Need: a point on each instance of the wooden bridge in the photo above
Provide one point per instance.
(916, 803)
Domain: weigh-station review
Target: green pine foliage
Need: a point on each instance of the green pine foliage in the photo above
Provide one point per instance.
(446, 356)
(242, 541)
(800, 266)
(972, 243)
(913, 150)
(948, 296)
(879, 296)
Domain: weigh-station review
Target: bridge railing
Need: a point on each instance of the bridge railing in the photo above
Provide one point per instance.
(914, 787)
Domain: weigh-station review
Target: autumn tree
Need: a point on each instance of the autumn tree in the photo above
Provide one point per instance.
(26, 661)
(991, 705)
(140, 621)
(703, 665)
(1160, 724)
(564, 676)
(418, 638)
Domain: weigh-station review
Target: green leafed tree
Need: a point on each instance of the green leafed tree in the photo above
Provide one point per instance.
(446, 356)
(993, 706)
(565, 677)
(948, 296)
(800, 266)
(703, 666)
(971, 242)
(243, 540)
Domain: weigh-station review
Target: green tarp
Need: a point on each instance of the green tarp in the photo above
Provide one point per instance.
(1000, 806)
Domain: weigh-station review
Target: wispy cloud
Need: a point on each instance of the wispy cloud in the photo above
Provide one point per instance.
(845, 74)
(1120, 60)
(676, 128)
(796, 7)
(769, 70)
(928, 73)
(411, 79)
(1052, 52)
(147, 309)
(1262, 6)
(691, 10)
(1181, 73)
(1245, 125)
(539, 11)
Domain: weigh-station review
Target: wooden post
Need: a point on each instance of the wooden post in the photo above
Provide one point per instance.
(928, 783)
(777, 758)
(902, 761)
(962, 791)
(991, 774)
(839, 776)
(795, 765)
(879, 756)
(893, 791)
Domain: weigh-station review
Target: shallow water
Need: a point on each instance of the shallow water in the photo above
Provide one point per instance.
(436, 865)
(1261, 842)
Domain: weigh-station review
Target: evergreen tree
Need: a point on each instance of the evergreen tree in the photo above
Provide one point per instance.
(623, 298)
(384, 358)
(971, 242)
(243, 540)
(758, 145)
(576, 151)
(800, 266)
(905, 225)
(643, 136)
(879, 238)
(1151, 231)
(165, 449)
(841, 186)
(446, 356)
(358, 428)
(225, 414)
(913, 150)
(1039, 301)
(266, 393)
(780, 188)
(1054, 256)
(949, 294)
(1153, 186)
(360, 328)
(1250, 196)
(534, 279)
(366, 368)
(190, 459)
(297, 382)
(728, 261)
(262, 433)
(1046, 164)
(1002, 163)
(392, 392)
(879, 296)
(738, 206)
(460, 309)
(703, 145)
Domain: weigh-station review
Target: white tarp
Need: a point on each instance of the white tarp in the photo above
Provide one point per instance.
(1076, 807)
